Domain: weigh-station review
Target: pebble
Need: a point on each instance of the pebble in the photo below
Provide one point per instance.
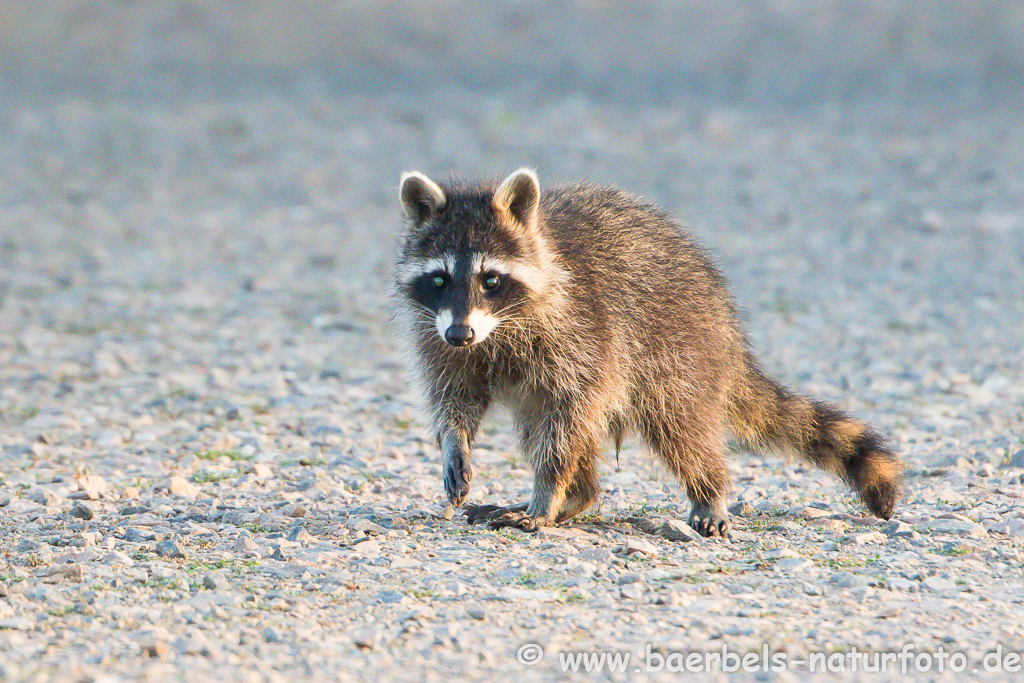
(638, 545)
(369, 638)
(216, 580)
(937, 583)
(676, 530)
(850, 580)
(953, 526)
(82, 511)
(171, 550)
(260, 470)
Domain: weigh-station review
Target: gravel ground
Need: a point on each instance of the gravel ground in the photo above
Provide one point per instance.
(213, 467)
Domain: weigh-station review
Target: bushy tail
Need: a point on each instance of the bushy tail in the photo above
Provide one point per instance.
(765, 414)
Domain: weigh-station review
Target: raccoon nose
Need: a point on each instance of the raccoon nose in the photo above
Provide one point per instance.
(459, 335)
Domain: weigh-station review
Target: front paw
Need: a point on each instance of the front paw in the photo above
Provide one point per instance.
(486, 513)
(517, 520)
(457, 474)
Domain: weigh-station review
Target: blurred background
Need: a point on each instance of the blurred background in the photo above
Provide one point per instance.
(656, 51)
(856, 167)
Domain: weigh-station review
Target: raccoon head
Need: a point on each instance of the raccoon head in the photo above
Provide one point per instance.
(472, 257)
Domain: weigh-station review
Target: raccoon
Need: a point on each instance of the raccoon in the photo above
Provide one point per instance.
(590, 315)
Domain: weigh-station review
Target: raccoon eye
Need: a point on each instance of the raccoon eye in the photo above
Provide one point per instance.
(439, 281)
(491, 283)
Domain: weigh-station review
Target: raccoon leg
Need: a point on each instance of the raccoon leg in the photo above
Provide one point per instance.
(580, 495)
(564, 481)
(582, 492)
(457, 470)
(457, 415)
(694, 455)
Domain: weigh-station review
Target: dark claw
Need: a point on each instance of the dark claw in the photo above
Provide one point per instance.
(457, 475)
(708, 522)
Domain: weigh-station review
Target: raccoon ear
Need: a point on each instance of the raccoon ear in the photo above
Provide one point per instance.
(518, 197)
(421, 197)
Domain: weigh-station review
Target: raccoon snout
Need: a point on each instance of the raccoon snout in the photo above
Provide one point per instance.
(459, 335)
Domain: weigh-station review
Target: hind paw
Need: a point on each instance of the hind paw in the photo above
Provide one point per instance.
(709, 522)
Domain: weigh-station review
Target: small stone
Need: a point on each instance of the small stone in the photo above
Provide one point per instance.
(90, 487)
(154, 649)
(638, 545)
(564, 533)
(171, 550)
(179, 486)
(295, 511)
(632, 592)
(300, 535)
(899, 530)
(272, 635)
(644, 524)
(391, 596)
(850, 580)
(369, 638)
(676, 530)
(741, 536)
(961, 527)
(404, 563)
(68, 571)
(448, 513)
(1012, 527)
(742, 509)
(129, 510)
(216, 580)
(16, 624)
(865, 538)
(365, 526)
(244, 544)
(259, 470)
(279, 554)
(134, 535)
(130, 492)
(627, 579)
(46, 497)
(82, 511)
(28, 546)
(1016, 460)
(476, 613)
(599, 555)
(117, 557)
(792, 564)
(939, 584)
(809, 512)
(900, 584)
(367, 547)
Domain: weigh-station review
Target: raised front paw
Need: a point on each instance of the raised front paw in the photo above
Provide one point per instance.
(709, 521)
(457, 474)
